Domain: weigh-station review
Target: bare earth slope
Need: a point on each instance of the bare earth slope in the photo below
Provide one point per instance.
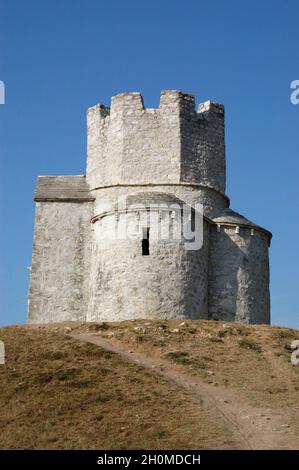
(141, 384)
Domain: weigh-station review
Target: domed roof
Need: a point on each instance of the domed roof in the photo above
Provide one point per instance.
(230, 217)
(151, 198)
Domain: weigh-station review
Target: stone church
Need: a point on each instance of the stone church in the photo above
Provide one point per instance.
(143, 162)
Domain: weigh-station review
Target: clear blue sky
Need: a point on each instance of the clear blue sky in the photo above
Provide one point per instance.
(58, 57)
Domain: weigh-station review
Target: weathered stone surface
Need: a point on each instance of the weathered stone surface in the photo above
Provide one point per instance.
(129, 144)
(239, 275)
(172, 154)
(59, 282)
(62, 188)
(171, 282)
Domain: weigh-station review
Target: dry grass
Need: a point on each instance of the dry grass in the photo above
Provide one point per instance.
(58, 393)
(250, 358)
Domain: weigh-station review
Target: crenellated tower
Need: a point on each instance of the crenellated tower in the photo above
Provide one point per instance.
(172, 156)
(173, 144)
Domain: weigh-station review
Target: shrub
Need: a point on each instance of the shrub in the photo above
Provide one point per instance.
(180, 357)
(249, 344)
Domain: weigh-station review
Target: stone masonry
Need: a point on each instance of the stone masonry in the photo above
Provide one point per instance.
(163, 160)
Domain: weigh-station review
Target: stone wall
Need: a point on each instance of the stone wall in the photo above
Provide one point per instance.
(203, 148)
(129, 144)
(59, 282)
(171, 282)
(239, 275)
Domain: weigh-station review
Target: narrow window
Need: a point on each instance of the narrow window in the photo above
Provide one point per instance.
(145, 241)
(193, 221)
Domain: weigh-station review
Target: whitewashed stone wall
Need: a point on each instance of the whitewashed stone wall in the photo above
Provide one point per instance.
(59, 282)
(239, 275)
(171, 282)
(129, 144)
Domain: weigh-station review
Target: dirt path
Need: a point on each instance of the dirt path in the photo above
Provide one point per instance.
(253, 428)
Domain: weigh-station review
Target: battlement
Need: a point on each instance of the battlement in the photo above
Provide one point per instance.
(170, 100)
(175, 143)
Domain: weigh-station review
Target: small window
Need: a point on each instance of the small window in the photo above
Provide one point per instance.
(145, 241)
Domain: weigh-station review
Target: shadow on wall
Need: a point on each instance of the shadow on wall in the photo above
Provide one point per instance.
(239, 276)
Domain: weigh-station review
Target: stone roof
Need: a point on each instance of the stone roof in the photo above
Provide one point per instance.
(62, 189)
(153, 197)
(230, 217)
(148, 199)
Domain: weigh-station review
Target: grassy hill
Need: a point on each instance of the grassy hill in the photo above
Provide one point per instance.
(141, 384)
